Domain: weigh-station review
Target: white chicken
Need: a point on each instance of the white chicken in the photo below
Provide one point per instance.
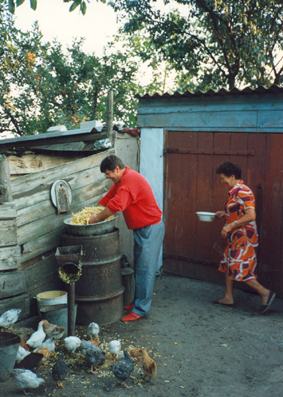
(27, 379)
(114, 347)
(9, 318)
(49, 343)
(37, 337)
(93, 330)
(72, 343)
(21, 354)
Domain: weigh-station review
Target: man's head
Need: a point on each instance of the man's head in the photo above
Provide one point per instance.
(113, 168)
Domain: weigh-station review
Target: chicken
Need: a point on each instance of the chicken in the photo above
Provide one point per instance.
(21, 354)
(94, 355)
(72, 343)
(37, 337)
(93, 330)
(52, 330)
(9, 318)
(114, 347)
(59, 370)
(49, 343)
(148, 364)
(123, 369)
(27, 379)
(45, 352)
(31, 361)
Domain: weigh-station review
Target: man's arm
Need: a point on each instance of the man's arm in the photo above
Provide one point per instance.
(101, 216)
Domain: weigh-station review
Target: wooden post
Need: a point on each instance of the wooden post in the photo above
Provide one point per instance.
(110, 134)
(5, 180)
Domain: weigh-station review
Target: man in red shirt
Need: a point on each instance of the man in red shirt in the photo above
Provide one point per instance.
(132, 194)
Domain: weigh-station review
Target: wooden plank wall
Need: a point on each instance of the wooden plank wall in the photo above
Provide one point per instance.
(31, 229)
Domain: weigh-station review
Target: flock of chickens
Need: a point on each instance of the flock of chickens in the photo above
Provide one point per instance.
(44, 341)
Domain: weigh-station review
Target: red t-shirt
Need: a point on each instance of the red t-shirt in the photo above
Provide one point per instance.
(134, 197)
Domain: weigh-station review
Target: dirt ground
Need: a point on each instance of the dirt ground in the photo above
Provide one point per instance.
(200, 349)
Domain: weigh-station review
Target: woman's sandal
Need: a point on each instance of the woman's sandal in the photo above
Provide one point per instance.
(230, 305)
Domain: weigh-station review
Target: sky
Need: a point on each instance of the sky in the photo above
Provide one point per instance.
(97, 26)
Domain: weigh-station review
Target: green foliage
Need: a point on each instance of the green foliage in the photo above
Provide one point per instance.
(212, 43)
(41, 85)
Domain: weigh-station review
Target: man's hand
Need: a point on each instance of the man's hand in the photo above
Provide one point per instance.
(92, 219)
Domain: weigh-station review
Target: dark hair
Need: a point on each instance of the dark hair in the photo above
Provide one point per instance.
(110, 163)
(228, 169)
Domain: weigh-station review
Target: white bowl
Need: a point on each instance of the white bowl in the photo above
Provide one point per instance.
(206, 216)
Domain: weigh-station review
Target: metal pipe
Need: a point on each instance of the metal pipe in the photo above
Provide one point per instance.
(71, 309)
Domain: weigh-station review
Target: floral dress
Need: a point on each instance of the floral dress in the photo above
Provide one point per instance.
(240, 257)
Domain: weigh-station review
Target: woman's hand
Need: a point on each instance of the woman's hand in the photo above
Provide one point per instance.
(219, 214)
(226, 230)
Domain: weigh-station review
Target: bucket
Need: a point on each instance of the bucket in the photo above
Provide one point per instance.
(50, 298)
(58, 315)
(9, 344)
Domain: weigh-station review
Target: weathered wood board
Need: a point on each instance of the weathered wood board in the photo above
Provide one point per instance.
(10, 258)
(8, 211)
(40, 245)
(47, 218)
(11, 284)
(37, 182)
(8, 233)
(18, 302)
(31, 163)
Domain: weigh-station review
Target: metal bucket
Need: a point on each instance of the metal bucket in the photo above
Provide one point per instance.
(9, 344)
(99, 291)
(50, 298)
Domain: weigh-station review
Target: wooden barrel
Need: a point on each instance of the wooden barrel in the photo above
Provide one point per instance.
(99, 291)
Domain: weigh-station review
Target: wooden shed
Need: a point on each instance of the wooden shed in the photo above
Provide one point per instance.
(30, 224)
(183, 139)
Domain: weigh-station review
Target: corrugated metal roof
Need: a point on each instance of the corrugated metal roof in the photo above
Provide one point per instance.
(274, 89)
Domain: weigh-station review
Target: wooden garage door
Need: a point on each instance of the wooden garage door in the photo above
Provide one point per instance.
(193, 248)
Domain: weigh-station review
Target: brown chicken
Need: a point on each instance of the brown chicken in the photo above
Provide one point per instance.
(53, 331)
(148, 364)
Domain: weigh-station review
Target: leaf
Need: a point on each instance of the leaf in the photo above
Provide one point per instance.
(20, 2)
(74, 5)
(83, 8)
(11, 6)
(33, 4)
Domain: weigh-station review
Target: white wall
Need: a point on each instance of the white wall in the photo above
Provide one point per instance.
(127, 148)
(151, 163)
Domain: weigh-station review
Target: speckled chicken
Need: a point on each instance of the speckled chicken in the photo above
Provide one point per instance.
(53, 331)
(123, 369)
(94, 355)
(9, 318)
(72, 343)
(27, 379)
(59, 370)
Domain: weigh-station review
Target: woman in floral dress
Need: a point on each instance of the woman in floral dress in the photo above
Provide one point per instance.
(240, 257)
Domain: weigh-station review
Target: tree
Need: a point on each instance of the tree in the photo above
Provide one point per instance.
(41, 85)
(219, 43)
(12, 4)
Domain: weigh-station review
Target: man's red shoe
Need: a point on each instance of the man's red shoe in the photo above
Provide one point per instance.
(129, 307)
(131, 317)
